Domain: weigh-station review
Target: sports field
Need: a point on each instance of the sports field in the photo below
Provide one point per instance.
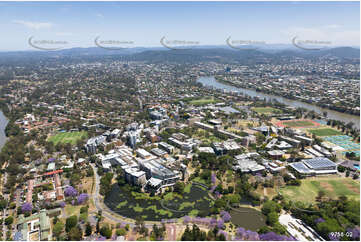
(298, 123)
(266, 110)
(332, 186)
(324, 132)
(203, 101)
(68, 137)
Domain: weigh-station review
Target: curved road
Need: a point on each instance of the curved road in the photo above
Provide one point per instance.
(106, 212)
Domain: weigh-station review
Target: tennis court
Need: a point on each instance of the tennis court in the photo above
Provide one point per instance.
(345, 142)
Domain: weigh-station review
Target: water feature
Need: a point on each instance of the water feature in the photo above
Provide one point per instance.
(132, 205)
(248, 218)
(211, 81)
(3, 122)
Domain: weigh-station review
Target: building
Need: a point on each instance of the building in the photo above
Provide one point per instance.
(134, 176)
(215, 122)
(159, 152)
(155, 115)
(167, 147)
(51, 166)
(305, 140)
(221, 148)
(35, 227)
(132, 138)
(58, 189)
(351, 165)
(154, 185)
(294, 142)
(275, 154)
(106, 165)
(206, 150)
(143, 153)
(246, 165)
(115, 133)
(92, 143)
(283, 145)
(154, 168)
(315, 166)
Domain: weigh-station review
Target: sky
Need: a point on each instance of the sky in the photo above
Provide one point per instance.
(78, 24)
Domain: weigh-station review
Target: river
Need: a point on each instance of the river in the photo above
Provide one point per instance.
(211, 81)
(3, 122)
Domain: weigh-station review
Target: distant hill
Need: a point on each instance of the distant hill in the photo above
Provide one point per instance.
(222, 54)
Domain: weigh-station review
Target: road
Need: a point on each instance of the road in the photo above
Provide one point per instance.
(107, 213)
(99, 205)
(297, 229)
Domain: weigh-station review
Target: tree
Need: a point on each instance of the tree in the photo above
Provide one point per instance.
(272, 218)
(75, 234)
(121, 232)
(341, 168)
(179, 187)
(271, 206)
(9, 220)
(71, 222)
(3, 204)
(58, 228)
(88, 229)
(106, 231)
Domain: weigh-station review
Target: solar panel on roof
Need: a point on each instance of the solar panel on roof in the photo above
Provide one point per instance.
(320, 162)
(300, 167)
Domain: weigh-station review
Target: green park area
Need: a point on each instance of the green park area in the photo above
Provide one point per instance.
(324, 132)
(266, 110)
(202, 101)
(299, 123)
(332, 188)
(68, 137)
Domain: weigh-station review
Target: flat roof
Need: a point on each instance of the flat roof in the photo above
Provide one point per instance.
(319, 162)
(154, 181)
(300, 167)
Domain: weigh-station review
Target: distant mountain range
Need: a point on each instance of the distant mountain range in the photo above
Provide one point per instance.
(197, 54)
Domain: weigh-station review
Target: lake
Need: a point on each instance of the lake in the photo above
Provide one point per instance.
(211, 81)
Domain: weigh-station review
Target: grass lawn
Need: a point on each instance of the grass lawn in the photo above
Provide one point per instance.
(71, 210)
(333, 188)
(266, 110)
(324, 132)
(68, 137)
(187, 188)
(199, 180)
(203, 101)
(299, 123)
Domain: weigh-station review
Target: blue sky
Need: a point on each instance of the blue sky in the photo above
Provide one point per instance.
(145, 23)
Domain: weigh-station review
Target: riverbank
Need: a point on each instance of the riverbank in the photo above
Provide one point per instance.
(288, 97)
(331, 114)
(3, 123)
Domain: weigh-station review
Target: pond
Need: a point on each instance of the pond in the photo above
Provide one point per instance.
(247, 218)
(194, 202)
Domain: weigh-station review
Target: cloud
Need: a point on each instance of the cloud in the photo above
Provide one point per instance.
(99, 15)
(333, 33)
(34, 25)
